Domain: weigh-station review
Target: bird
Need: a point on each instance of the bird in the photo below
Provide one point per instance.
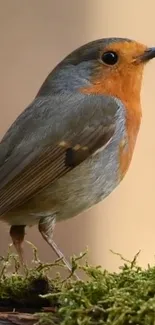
(73, 144)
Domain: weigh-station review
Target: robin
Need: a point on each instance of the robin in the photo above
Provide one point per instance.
(73, 144)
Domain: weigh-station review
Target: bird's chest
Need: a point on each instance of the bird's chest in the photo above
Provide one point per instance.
(127, 143)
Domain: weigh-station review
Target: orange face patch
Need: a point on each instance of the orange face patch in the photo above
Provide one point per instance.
(128, 51)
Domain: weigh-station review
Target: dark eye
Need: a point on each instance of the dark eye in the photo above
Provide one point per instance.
(109, 58)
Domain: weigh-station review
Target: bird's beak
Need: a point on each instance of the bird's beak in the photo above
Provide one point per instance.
(146, 56)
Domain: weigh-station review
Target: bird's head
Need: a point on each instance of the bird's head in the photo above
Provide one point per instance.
(112, 66)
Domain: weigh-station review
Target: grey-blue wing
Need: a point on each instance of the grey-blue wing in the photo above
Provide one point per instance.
(51, 137)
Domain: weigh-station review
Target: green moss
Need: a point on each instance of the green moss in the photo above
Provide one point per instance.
(123, 298)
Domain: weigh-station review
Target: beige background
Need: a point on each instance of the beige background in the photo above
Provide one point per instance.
(34, 36)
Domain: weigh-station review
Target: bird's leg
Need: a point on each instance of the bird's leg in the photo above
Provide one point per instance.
(46, 227)
(17, 234)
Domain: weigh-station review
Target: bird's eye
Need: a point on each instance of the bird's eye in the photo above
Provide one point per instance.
(109, 58)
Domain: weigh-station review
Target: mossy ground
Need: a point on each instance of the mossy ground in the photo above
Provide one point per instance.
(123, 298)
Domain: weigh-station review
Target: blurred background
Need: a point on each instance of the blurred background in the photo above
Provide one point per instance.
(34, 37)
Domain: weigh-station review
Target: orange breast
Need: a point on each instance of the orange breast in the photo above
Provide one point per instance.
(133, 119)
(128, 90)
